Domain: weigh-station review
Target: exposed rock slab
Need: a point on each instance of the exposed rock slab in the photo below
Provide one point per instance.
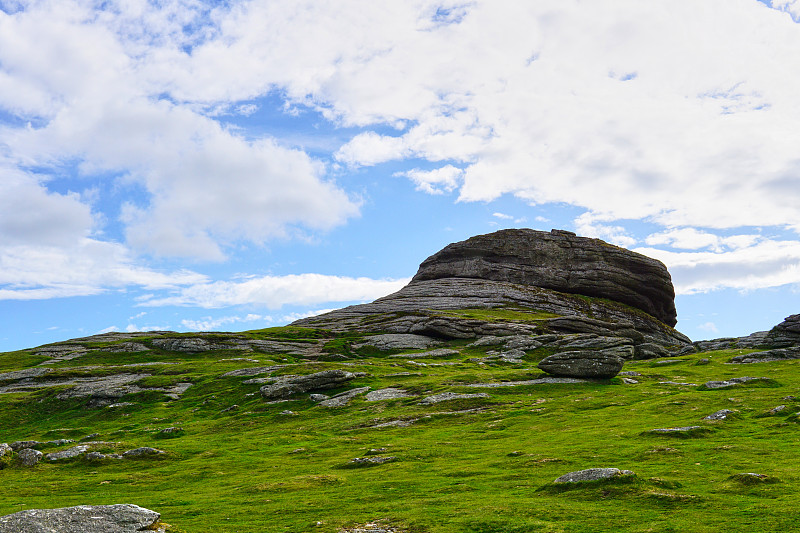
(121, 518)
(387, 394)
(722, 414)
(28, 457)
(777, 354)
(399, 341)
(447, 396)
(289, 385)
(559, 261)
(583, 364)
(724, 384)
(592, 474)
(343, 398)
(440, 352)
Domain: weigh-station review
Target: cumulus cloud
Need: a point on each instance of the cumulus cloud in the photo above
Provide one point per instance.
(437, 181)
(767, 263)
(274, 292)
(210, 324)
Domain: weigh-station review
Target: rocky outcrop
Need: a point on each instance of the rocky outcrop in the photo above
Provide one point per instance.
(585, 286)
(560, 261)
(286, 386)
(583, 364)
(777, 354)
(121, 518)
(784, 335)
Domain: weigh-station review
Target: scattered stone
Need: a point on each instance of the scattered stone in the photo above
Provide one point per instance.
(582, 364)
(371, 461)
(752, 478)
(29, 457)
(97, 456)
(387, 394)
(440, 352)
(318, 397)
(593, 474)
(778, 354)
(70, 453)
(231, 408)
(681, 432)
(254, 371)
(447, 396)
(629, 373)
(119, 404)
(375, 451)
(668, 362)
(89, 437)
(5, 449)
(343, 398)
(398, 341)
(722, 414)
(288, 413)
(703, 361)
(732, 382)
(120, 518)
(774, 411)
(24, 444)
(682, 384)
(629, 381)
(289, 385)
(144, 451)
(170, 433)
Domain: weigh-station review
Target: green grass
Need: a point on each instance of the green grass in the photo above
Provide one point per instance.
(499, 314)
(490, 470)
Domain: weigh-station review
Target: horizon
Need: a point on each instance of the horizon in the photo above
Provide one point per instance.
(199, 166)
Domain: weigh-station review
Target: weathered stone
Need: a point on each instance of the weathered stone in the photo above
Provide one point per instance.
(183, 344)
(318, 397)
(29, 457)
(722, 414)
(682, 432)
(24, 374)
(787, 333)
(253, 371)
(732, 382)
(125, 347)
(441, 352)
(371, 461)
(650, 350)
(593, 342)
(559, 261)
(144, 451)
(777, 354)
(399, 341)
(121, 518)
(582, 364)
(5, 449)
(447, 396)
(289, 385)
(75, 451)
(24, 444)
(387, 394)
(97, 456)
(343, 398)
(593, 474)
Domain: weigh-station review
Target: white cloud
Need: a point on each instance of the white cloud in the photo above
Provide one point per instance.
(767, 263)
(437, 181)
(502, 216)
(708, 326)
(588, 226)
(210, 324)
(274, 292)
(291, 317)
(90, 267)
(694, 239)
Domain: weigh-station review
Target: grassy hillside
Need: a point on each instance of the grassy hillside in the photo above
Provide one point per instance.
(467, 465)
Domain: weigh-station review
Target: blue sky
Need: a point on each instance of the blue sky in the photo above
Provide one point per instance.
(192, 165)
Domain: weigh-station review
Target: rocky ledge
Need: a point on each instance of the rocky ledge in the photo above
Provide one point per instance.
(120, 518)
(529, 283)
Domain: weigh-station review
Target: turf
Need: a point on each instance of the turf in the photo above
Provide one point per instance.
(475, 465)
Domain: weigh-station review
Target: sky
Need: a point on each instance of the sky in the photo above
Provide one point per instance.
(192, 165)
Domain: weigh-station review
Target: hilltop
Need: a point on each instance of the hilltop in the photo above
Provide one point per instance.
(523, 381)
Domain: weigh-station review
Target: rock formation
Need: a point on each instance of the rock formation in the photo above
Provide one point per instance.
(559, 261)
(567, 289)
(121, 518)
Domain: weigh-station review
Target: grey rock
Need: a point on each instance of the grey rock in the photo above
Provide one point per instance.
(288, 413)
(5, 449)
(559, 261)
(29, 457)
(592, 474)
(387, 394)
(253, 371)
(399, 341)
(447, 396)
(289, 385)
(318, 397)
(687, 431)
(732, 382)
(24, 374)
(440, 352)
(525, 383)
(120, 518)
(171, 431)
(594, 342)
(183, 344)
(521, 342)
(144, 451)
(125, 347)
(722, 414)
(777, 354)
(487, 340)
(97, 456)
(343, 398)
(582, 364)
(24, 444)
(70, 453)
(233, 407)
(650, 350)
(787, 333)
(372, 460)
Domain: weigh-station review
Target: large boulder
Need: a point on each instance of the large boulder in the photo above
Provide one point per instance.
(120, 518)
(561, 261)
(584, 364)
(286, 386)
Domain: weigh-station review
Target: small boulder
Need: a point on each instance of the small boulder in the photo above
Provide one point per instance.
(144, 451)
(732, 382)
(593, 474)
(582, 364)
(371, 461)
(387, 394)
(75, 451)
(722, 414)
(680, 432)
(5, 449)
(29, 457)
(343, 398)
(121, 518)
